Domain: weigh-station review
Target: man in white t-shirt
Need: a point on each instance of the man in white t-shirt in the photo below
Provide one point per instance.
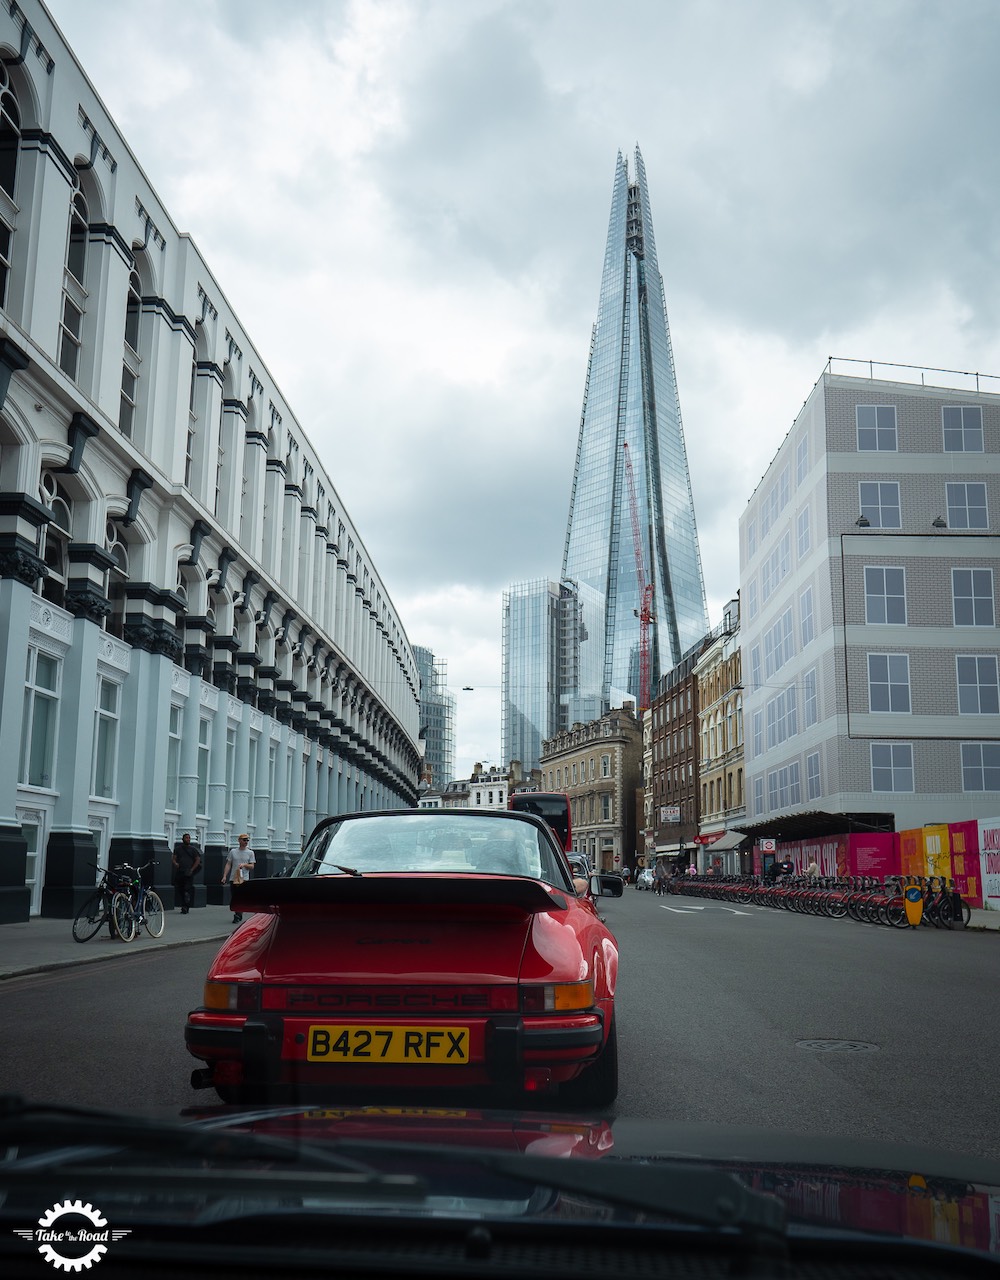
(239, 867)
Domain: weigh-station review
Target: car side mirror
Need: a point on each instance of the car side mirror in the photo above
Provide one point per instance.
(606, 886)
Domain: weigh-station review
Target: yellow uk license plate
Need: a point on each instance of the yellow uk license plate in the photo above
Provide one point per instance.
(333, 1042)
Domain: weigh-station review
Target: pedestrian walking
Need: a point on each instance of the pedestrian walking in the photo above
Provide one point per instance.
(185, 862)
(239, 867)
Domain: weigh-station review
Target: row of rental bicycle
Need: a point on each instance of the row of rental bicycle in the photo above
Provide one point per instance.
(863, 898)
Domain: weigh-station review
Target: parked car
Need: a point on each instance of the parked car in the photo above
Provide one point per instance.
(435, 948)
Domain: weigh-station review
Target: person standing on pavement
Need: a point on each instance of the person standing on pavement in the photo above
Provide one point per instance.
(186, 860)
(660, 878)
(239, 867)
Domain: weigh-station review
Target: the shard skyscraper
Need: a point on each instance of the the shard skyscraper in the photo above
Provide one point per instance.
(630, 398)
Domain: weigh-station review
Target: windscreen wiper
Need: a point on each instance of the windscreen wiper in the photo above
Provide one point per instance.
(698, 1195)
(43, 1138)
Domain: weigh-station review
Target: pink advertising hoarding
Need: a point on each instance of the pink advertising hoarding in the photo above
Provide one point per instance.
(989, 861)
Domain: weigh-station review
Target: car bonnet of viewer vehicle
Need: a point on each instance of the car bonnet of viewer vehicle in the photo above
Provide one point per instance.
(415, 948)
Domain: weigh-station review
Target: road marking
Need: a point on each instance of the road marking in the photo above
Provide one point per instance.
(683, 911)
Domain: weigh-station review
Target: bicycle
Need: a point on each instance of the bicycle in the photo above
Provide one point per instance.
(99, 908)
(138, 906)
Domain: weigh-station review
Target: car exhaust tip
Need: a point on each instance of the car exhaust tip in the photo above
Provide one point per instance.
(201, 1078)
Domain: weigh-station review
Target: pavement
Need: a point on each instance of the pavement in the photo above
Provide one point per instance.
(41, 943)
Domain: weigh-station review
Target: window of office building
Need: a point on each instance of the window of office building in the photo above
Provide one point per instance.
(978, 684)
(813, 785)
(972, 597)
(807, 626)
(801, 459)
(967, 505)
(962, 426)
(803, 536)
(876, 428)
(879, 502)
(885, 595)
(889, 682)
(981, 766)
(892, 766)
(810, 702)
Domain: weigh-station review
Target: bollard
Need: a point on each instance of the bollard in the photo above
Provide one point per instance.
(957, 912)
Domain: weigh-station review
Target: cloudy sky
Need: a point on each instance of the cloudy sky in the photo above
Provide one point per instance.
(406, 203)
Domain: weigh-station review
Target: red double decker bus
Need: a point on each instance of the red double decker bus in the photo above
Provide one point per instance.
(552, 806)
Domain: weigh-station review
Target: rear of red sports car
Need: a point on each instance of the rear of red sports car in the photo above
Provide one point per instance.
(439, 950)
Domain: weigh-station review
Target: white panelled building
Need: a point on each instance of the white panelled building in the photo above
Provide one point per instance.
(192, 634)
(869, 566)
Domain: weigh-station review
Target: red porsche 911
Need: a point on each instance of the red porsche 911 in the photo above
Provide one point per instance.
(437, 949)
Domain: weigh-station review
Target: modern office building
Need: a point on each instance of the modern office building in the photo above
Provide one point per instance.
(437, 718)
(869, 565)
(529, 694)
(193, 636)
(631, 399)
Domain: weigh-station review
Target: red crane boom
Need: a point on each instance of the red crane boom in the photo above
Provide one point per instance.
(645, 610)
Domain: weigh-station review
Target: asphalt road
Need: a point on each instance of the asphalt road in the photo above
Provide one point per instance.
(712, 1007)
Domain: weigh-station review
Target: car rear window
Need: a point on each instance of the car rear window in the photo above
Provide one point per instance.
(413, 843)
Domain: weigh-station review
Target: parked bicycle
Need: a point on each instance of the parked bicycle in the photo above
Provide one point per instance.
(100, 907)
(863, 898)
(137, 906)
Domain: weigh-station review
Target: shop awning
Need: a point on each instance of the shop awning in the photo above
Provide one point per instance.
(817, 822)
(728, 840)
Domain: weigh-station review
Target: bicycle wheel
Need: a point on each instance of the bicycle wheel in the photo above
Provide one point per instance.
(152, 910)
(90, 917)
(123, 917)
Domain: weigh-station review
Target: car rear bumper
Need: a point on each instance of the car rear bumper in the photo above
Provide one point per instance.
(504, 1048)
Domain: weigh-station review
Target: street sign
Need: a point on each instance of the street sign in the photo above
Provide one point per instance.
(768, 845)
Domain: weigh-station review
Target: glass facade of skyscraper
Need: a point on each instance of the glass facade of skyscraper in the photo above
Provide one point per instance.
(630, 398)
(437, 717)
(529, 693)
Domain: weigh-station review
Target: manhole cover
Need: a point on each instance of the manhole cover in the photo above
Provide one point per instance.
(836, 1046)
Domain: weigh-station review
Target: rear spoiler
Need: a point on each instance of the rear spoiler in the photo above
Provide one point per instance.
(419, 888)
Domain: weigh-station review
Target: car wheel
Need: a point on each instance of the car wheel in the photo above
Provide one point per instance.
(597, 1085)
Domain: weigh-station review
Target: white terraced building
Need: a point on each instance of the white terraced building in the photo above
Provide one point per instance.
(192, 634)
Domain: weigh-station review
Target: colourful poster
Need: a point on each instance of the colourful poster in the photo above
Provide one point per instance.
(965, 861)
(989, 861)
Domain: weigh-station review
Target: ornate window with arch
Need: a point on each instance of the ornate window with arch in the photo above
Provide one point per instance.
(130, 361)
(116, 579)
(10, 143)
(74, 289)
(54, 539)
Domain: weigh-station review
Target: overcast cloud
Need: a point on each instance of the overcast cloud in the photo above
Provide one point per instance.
(406, 204)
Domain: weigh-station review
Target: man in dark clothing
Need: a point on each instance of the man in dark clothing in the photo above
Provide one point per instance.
(186, 861)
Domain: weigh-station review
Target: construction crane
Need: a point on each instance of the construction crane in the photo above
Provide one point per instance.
(645, 610)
